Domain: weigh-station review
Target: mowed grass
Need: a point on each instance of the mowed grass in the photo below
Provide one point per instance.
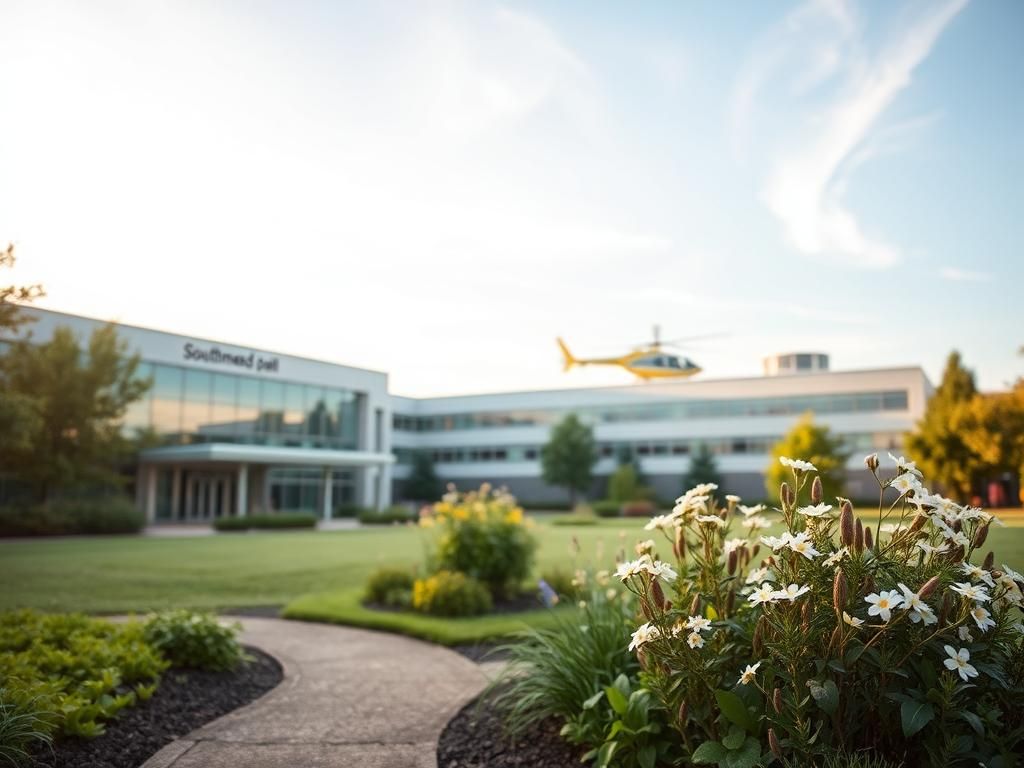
(317, 575)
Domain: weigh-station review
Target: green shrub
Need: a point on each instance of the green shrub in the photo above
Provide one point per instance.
(67, 673)
(607, 508)
(483, 534)
(277, 521)
(562, 581)
(390, 586)
(389, 516)
(638, 509)
(574, 519)
(562, 672)
(347, 510)
(195, 640)
(106, 515)
(448, 593)
(26, 721)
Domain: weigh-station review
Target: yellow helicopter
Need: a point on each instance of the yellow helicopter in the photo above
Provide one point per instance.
(646, 362)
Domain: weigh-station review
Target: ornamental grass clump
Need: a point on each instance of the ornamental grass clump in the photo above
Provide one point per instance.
(895, 639)
(484, 535)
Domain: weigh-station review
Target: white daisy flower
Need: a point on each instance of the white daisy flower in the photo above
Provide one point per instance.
(757, 523)
(1012, 574)
(958, 662)
(764, 594)
(818, 510)
(919, 609)
(982, 618)
(978, 594)
(662, 569)
(747, 675)
(732, 498)
(694, 640)
(644, 634)
(836, 556)
(775, 543)
(977, 573)
(882, 603)
(713, 519)
(929, 549)
(757, 575)
(797, 464)
(732, 544)
(853, 621)
(803, 547)
(698, 623)
(903, 465)
(792, 592)
(632, 568)
(905, 483)
(662, 523)
(748, 511)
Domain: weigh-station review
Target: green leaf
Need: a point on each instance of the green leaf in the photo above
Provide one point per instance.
(745, 757)
(974, 721)
(709, 752)
(616, 699)
(592, 701)
(915, 715)
(605, 754)
(735, 710)
(825, 694)
(647, 756)
(735, 738)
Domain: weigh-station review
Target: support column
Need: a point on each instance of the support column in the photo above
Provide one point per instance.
(384, 486)
(242, 491)
(150, 494)
(327, 494)
(176, 494)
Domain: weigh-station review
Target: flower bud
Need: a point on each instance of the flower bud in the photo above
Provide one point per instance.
(946, 608)
(777, 701)
(918, 523)
(957, 554)
(929, 587)
(684, 712)
(695, 606)
(980, 535)
(731, 565)
(957, 526)
(668, 606)
(658, 594)
(869, 584)
(869, 540)
(839, 592)
(786, 495)
(871, 462)
(846, 524)
(773, 743)
(817, 492)
(679, 547)
(858, 536)
(757, 548)
(755, 641)
(989, 561)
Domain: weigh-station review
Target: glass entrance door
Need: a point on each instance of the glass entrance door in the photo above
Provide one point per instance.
(207, 496)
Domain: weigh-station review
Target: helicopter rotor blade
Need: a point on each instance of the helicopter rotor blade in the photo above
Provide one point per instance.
(702, 337)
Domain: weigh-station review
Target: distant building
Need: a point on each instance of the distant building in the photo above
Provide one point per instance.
(238, 430)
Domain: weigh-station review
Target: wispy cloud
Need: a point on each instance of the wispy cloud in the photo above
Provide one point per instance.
(819, 44)
(957, 275)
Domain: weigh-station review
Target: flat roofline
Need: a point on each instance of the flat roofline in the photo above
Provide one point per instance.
(33, 308)
(687, 383)
(247, 453)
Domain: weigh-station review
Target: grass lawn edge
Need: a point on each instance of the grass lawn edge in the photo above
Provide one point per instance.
(344, 606)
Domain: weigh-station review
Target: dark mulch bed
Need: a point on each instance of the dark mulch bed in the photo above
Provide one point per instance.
(474, 738)
(185, 700)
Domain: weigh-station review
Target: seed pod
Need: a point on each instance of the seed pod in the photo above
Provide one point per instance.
(680, 545)
(773, 743)
(684, 712)
(858, 536)
(957, 526)
(732, 562)
(770, 562)
(989, 561)
(871, 462)
(777, 700)
(786, 495)
(980, 535)
(918, 523)
(957, 554)
(869, 584)
(668, 606)
(839, 592)
(695, 606)
(754, 552)
(755, 641)
(846, 526)
(929, 587)
(730, 601)
(658, 594)
(946, 609)
(817, 492)
(869, 540)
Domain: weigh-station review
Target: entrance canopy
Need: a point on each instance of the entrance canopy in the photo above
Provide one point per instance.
(241, 453)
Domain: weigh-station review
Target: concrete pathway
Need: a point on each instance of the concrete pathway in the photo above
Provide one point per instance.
(349, 697)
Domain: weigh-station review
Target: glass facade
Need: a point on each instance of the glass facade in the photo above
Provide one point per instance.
(185, 405)
(863, 441)
(665, 410)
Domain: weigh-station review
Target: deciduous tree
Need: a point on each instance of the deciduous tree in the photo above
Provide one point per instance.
(568, 458)
(703, 468)
(814, 443)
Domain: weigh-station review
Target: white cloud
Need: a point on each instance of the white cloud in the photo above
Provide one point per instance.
(822, 43)
(957, 275)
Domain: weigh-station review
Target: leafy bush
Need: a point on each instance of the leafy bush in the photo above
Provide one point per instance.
(563, 672)
(563, 582)
(449, 593)
(67, 673)
(195, 640)
(390, 586)
(638, 509)
(106, 515)
(347, 510)
(895, 639)
(607, 508)
(277, 521)
(484, 535)
(389, 516)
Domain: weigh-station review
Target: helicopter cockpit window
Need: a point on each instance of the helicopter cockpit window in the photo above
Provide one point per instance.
(673, 362)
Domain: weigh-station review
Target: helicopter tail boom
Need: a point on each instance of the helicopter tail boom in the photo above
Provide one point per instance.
(568, 361)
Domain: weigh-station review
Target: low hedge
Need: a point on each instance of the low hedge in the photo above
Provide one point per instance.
(395, 514)
(607, 508)
(111, 514)
(265, 522)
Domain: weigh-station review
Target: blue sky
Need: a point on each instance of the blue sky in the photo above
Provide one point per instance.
(439, 189)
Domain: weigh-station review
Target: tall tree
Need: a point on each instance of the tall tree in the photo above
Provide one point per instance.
(12, 295)
(568, 458)
(703, 468)
(814, 443)
(77, 403)
(422, 483)
(992, 428)
(936, 444)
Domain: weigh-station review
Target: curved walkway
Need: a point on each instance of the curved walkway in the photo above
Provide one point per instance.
(349, 697)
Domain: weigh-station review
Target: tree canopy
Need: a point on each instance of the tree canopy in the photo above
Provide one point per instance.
(11, 296)
(67, 410)
(703, 468)
(568, 458)
(814, 443)
(422, 483)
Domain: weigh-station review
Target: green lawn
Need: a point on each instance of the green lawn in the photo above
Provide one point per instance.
(318, 575)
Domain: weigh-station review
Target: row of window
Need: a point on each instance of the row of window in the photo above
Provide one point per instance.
(665, 410)
(187, 405)
(863, 441)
